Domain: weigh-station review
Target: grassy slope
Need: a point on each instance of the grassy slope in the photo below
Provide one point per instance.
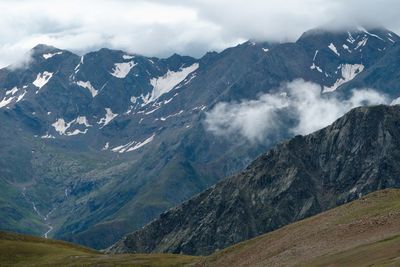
(382, 253)
(365, 232)
(361, 233)
(23, 250)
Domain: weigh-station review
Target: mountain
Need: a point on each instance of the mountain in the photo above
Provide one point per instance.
(360, 233)
(98, 145)
(356, 155)
(383, 74)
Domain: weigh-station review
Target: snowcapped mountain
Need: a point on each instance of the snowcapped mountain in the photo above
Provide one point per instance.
(103, 143)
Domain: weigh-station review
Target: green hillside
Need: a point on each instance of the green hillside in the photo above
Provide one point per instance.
(24, 250)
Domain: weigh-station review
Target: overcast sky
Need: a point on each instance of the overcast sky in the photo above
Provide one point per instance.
(162, 27)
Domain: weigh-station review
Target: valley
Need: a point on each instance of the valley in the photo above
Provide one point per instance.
(359, 233)
(200, 133)
(133, 154)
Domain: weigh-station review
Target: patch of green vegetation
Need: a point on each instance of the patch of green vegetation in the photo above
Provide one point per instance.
(23, 250)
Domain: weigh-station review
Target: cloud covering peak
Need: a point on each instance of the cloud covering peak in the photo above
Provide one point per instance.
(160, 28)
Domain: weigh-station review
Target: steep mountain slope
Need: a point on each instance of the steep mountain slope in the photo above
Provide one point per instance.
(98, 145)
(383, 75)
(357, 154)
(361, 233)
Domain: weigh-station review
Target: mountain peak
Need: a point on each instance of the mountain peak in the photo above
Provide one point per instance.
(328, 32)
(43, 48)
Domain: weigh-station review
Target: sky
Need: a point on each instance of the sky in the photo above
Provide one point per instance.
(161, 28)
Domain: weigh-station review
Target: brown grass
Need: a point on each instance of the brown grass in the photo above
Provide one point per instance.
(352, 230)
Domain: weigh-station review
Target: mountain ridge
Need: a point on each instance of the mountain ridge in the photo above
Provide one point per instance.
(296, 179)
(121, 153)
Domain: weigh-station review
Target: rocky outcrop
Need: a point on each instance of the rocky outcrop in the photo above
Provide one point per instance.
(357, 154)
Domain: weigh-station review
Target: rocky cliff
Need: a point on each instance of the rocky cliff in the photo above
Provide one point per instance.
(357, 154)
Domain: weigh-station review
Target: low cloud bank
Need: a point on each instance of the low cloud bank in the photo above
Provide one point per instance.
(298, 108)
(161, 28)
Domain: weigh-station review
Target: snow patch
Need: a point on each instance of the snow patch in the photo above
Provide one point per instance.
(42, 79)
(131, 146)
(350, 38)
(349, 71)
(133, 99)
(370, 34)
(87, 85)
(265, 50)
(361, 43)
(170, 116)
(106, 146)
(169, 100)
(82, 121)
(346, 47)
(79, 65)
(140, 144)
(61, 126)
(166, 83)
(127, 57)
(109, 117)
(121, 70)
(315, 55)
(50, 55)
(333, 48)
(21, 96)
(202, 107)
(313, 66)
(6, 101)
(76, 132)
(12, 91)
(151, 111)
(47, 136)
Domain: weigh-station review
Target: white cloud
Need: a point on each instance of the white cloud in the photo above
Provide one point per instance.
(298, 103)
(160, 28)
(134, 26)
(19, 59)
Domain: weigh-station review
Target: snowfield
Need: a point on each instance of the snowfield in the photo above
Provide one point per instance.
(42, 79)
(164, 84)
(121, 70)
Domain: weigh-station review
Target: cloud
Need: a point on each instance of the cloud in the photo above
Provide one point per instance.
(160, 28)
(298, 108)
(20, 59)
(287, 20)
(154, 29)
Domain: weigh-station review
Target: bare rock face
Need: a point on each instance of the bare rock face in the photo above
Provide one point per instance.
(357, 154)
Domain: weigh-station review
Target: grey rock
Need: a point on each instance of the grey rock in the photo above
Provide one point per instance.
(357, 154)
